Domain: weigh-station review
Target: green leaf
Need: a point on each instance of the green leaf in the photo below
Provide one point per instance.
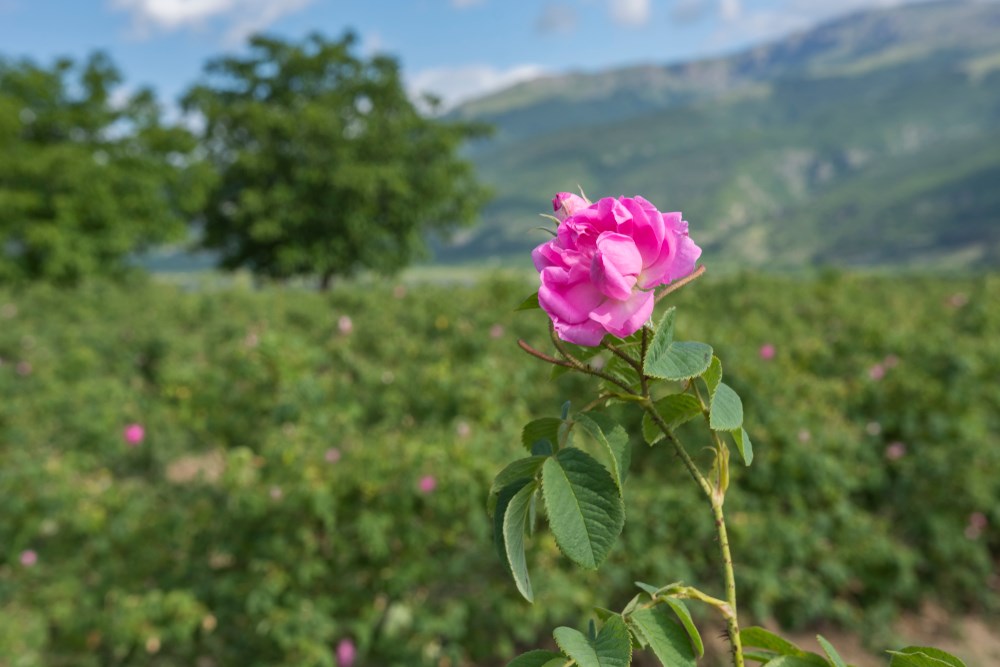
(504, 497)
(726, 410)
(923, 656)
(684, 616)
(546, 428)
(681, 361)
(520, 469)
(671, 360)
(585, 510)
(761, 638)
(759, 656)
(613, 438)
(536, 658)
(611, 648)
(621, 370)
(652, 590)
(669, 641)
(675, 410)
(515, 524)
(531, 303)
(744, 445)
(807, 660)
(713, 376)
(663, 336)
(831, 652)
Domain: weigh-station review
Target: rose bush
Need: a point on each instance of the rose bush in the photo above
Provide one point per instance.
(599, 272)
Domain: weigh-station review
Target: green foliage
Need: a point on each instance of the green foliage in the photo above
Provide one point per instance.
(584, 506)
(684, 616)
(611, 647)
(326, 165)
(668, 640)
(86, 179)
(831, 653)
(243, 393)
(923, 656)
(675, 409)
(673, 360)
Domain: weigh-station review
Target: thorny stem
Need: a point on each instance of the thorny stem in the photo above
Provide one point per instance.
(582, 367)
(715, 499)
(621, 354)
(541, 355)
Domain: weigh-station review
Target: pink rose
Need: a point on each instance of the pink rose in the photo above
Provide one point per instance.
(28, 558)
(599, 273)
(427, 484)
(767, 352)
(346, 653)
(134, 434)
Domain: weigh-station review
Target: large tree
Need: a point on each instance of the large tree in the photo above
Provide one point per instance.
(326, 165)
(88, 175)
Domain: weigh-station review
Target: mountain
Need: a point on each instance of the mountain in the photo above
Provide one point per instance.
(870, 140)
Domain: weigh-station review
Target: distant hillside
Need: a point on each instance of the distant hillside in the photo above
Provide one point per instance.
(873, 139)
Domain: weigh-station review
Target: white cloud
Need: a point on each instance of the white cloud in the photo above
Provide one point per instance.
(557, 18)
(730, 10)
(742, 24)
(458, 84)
(630, 12)
(240, 17)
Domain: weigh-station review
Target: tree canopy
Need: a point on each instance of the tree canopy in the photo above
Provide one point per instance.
(326, 166)
(89, 175)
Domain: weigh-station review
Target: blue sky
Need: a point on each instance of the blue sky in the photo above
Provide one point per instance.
(455, 48)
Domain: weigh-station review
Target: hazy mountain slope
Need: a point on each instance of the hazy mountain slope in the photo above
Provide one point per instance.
(848, 143)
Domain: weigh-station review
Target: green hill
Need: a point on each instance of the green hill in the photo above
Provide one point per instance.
(870, 140)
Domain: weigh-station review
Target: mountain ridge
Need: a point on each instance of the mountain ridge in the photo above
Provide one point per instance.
(753, 145)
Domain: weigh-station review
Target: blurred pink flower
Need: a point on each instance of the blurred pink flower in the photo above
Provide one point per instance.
(805, 435)
(767, 352)
(24, 368)
(876, 372)
(427, 483)
(399, 291)
(345, 325)
(463, 429)
(346, 653)
(332, 455)
(496, 331)
(28, 557)
(958, 299)
(890, 361)
(134, 434)
(977, 523)
(276, 493)
(895, 451)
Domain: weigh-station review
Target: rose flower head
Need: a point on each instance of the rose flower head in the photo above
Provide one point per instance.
(599, 272)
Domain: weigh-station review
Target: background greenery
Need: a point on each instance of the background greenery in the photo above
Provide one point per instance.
(233, 534)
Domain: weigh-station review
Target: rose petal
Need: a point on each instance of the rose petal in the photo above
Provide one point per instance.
(624, 318)
(565, 299)
(615, 266)
(648, 228)
(588, 333)
(566, 204)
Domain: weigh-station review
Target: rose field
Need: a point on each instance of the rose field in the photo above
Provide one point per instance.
(234, 476)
